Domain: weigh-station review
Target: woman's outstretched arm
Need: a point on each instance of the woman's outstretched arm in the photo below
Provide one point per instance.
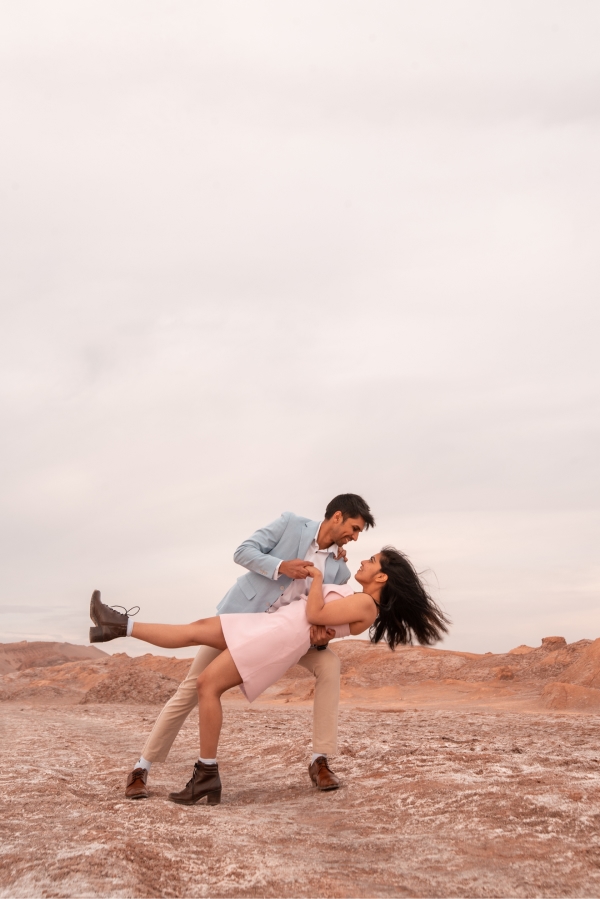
(357, 610)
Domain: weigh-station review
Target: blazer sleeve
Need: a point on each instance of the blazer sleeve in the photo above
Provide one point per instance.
(254, 553)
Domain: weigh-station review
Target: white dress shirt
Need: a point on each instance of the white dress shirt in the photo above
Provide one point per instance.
(300, 587)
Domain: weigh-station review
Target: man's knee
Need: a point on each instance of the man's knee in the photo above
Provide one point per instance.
(181, 703)
(328, 666)
(187, 687)
(185, 695)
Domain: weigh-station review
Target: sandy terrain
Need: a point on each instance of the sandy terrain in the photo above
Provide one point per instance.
(460, 778)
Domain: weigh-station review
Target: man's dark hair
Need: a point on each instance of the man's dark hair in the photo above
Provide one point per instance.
(351, 506)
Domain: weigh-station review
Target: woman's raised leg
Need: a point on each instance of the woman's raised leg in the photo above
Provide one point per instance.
(110, 624)
(206, 632)
(216, 678)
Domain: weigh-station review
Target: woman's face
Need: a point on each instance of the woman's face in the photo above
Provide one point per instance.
(368, 569)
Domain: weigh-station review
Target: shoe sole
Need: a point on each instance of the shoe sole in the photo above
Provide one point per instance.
(139, 796)
(211, 799)
(325, 789)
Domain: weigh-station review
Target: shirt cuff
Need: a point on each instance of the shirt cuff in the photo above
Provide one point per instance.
(276, 572)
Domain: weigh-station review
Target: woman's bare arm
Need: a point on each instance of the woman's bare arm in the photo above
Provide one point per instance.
(357, 610)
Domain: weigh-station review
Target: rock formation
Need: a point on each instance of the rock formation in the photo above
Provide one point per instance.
(554, 676)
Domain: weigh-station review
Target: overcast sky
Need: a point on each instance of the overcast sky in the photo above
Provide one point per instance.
(259, 253)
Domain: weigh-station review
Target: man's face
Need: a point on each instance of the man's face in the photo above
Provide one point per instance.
(345, 531)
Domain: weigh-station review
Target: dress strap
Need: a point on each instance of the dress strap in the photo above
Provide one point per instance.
(370, 597)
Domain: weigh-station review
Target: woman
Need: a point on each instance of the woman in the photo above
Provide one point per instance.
(258, 649)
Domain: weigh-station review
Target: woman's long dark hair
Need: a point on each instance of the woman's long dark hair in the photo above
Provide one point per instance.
(405, 607)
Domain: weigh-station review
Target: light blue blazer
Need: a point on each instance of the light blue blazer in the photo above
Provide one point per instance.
(287, 538)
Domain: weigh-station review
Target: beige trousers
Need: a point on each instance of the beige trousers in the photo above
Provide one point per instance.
(324, 664)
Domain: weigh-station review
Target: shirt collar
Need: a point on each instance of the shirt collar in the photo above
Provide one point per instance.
(334, 548)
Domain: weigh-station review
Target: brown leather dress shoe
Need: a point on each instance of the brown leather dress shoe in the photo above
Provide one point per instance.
(110, 623)
(322, 776)
(136, 784)
(205, 781)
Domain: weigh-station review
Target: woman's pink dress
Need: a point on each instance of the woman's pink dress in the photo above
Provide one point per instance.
(263, 647)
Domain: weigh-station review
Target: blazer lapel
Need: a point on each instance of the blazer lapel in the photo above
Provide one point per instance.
(307, 535)
(331, 569)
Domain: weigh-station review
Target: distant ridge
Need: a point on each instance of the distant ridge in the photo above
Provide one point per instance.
(23, 655)
(555, 676)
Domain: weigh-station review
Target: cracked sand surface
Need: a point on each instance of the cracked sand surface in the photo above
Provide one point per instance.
(435, 802)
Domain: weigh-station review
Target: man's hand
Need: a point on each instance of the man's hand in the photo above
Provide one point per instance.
(297, 569)
(321, 635)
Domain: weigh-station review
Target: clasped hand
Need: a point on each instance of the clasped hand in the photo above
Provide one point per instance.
(298, 569)
(321, 635)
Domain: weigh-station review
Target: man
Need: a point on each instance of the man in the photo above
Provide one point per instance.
(277, 557)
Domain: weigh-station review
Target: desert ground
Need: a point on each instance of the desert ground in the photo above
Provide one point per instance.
(463, 775)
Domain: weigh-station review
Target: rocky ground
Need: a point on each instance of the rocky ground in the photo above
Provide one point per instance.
(478, 785)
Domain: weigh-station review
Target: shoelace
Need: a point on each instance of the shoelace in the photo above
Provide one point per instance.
(191, 780)
(129, 612)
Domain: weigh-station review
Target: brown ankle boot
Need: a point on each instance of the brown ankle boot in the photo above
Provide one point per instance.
(110, 623)
(322, 776)
(205, 781)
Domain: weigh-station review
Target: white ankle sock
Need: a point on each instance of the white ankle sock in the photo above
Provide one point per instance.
(318, 755)
(144, 763)
(129, 630)
(208, 761)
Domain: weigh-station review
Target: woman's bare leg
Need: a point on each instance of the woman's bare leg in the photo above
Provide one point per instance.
(216, 678)
(206, 632)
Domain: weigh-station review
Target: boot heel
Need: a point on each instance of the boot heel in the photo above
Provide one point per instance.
(213, 798)
(96, 635)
